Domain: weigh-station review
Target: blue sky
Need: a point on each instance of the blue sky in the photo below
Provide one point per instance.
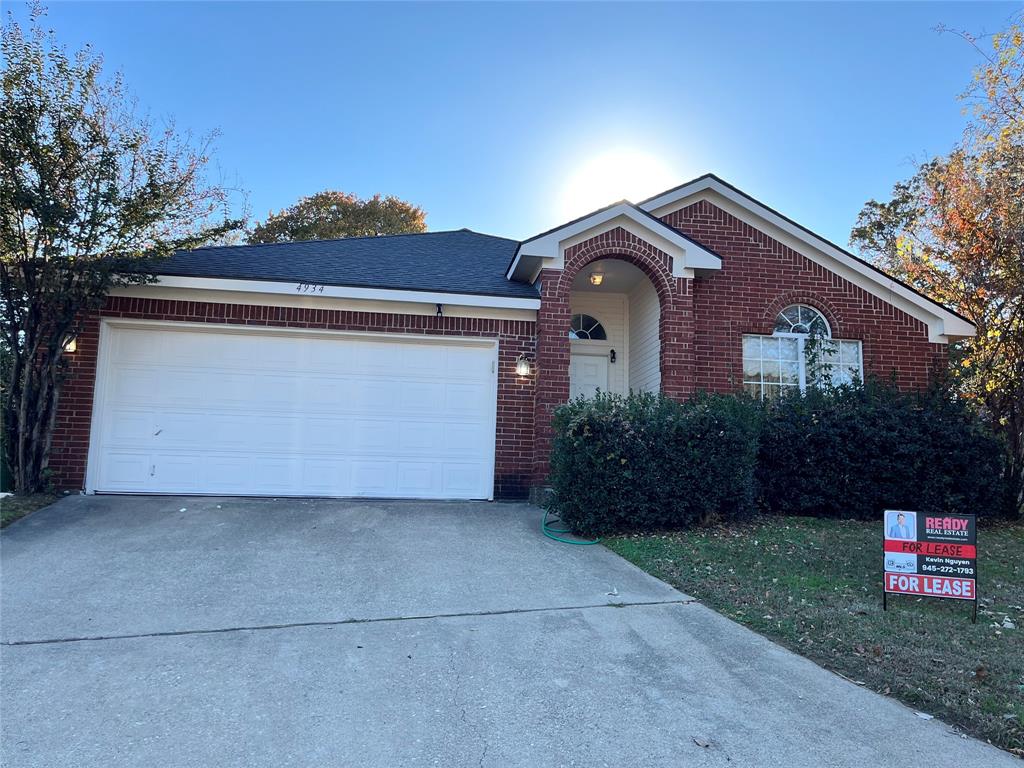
(485, 114)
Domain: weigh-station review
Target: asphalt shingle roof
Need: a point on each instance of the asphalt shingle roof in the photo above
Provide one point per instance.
(460, 261)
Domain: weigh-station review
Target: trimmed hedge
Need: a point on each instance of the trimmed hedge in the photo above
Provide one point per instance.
(645, 462)
(851, 452)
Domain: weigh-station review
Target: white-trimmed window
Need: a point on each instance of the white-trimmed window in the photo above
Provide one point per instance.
(800, 352)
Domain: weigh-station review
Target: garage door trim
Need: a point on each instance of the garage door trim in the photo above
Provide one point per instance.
(103, 363)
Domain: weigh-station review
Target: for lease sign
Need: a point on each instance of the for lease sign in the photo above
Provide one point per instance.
(931, 555)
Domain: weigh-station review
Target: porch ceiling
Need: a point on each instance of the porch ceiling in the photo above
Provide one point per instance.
(619, 277)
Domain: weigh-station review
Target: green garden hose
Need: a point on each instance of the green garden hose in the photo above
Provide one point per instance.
(550, 532)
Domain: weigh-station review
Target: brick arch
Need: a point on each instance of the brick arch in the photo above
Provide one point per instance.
(624, 246)
(676, 326)
(829, 310)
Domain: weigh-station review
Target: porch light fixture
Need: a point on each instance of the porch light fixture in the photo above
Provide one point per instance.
(70, 345)
(523, 366)
(596, 278)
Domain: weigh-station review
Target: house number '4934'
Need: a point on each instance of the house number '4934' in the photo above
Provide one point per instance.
(309, 288)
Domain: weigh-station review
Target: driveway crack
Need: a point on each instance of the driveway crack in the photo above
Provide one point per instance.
(339, 622)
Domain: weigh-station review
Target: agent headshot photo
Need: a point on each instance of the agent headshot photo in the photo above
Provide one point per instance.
(901, 525)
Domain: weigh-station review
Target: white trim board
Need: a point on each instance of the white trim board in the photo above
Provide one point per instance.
(943, 325)
(424, 309)
(343, 292)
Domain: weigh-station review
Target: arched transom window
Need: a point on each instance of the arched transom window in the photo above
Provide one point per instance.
(586, 327)
(800, 352)
(802, 319)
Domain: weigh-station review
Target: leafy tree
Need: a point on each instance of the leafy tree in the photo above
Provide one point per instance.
(328, 215)
(955, 231)
(90, 196)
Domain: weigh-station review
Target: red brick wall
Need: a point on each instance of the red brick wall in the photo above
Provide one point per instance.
(514, 452)
(760, 276)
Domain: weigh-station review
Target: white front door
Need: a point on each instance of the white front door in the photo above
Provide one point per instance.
(274, 413)
(587, 374)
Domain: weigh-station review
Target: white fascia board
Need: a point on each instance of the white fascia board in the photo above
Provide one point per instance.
(549, 249)
(344, 292)
(943, 325)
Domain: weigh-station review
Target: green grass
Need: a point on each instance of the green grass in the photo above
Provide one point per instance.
(16, 507)
(815, 586)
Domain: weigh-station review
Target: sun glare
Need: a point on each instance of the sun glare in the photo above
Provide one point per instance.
(614, 175)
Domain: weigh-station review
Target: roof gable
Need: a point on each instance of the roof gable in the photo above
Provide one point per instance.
(548, 248)
(943, 324)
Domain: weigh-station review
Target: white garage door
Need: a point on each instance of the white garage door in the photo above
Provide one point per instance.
(189, 410)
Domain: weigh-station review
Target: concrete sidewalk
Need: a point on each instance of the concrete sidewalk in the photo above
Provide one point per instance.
(278, 633)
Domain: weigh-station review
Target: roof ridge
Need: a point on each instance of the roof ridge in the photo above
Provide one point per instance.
(357, 237)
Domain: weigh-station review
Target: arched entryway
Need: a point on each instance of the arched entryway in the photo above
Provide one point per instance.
(563, 293)
(614, 337)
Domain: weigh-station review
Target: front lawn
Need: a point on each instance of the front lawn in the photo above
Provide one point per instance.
(17, 506)
(815, 586)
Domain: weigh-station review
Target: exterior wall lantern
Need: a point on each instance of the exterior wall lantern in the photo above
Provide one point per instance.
(596, 278)
(523, 367)
(70, 345)
(611, 356)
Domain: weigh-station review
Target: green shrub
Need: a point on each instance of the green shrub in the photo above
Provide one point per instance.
(645, 462)
(850, 452)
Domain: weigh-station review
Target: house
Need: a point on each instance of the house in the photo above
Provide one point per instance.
(428, 365)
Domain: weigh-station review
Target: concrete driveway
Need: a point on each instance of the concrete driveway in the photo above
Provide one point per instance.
(242, 632)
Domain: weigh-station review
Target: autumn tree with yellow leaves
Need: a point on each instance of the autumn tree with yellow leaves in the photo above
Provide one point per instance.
(955, 231)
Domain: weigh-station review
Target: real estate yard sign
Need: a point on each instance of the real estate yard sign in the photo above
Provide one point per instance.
(931, 555)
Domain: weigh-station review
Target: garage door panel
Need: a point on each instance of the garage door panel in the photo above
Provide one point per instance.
(374, 358)
(466, 363)
(176, 428)
(370, 436)
(175, 470)
(328, 435)
(232, 390)
(465, 398)
(197, 411)
(421, 437)
(224, 473)
(224, 432)
(271, 433)
(276, 474)
(419, 479)
(373, 478)
(185, 387)
(460, 479)
(135, 386)
(133, 426)
(133, 346)
(326, 476)
(327, 393)
(275, 353)
(279, 392)
(126, 470)
(421, 397)
(423, 360)
(373, 395)
(465, 439)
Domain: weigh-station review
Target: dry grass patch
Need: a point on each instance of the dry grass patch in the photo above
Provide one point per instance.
(17, 506)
